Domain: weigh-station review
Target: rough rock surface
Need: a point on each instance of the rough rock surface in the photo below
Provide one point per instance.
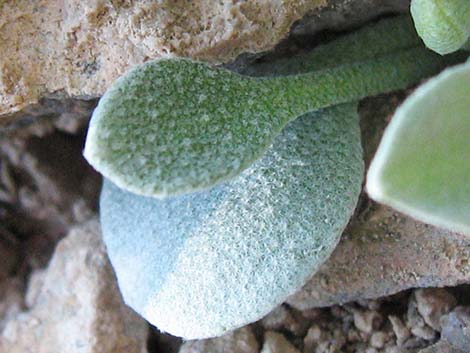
(77, 48)
(80, 47)
(11, 299)
(432, 304)
(442, 347)
(389, 252)
(387, 325)
(382, 251)
(275, 342)
(76, 306)
(239, 341)
(9, 251)
(456, 327)
(46, 187)
(66, 115)
(283, 318)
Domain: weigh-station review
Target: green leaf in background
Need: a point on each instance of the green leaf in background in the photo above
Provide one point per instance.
(386, 36)
(202, 264)
(422, 166)
(444, 25)
(175, 126)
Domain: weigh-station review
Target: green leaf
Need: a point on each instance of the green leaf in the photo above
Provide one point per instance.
(384, 37)
(444, 25)
(175, 126)
(422, 166)
(231, 254)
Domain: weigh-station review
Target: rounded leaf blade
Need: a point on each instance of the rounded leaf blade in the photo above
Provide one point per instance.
(422, 166)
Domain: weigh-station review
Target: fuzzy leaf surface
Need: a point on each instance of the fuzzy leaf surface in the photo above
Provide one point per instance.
(229, 255)
(444, 25)
(422, 166)
(171, 127)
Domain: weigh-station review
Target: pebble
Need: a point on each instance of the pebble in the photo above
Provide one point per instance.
(371, 350)
(401, 331)
(282, 318)
(314, 337)
(367, 321)
(413, 317)
(378, 339)
(433, 303)
(238, 341)
(424, 332)
(275, 342)
(456, 327)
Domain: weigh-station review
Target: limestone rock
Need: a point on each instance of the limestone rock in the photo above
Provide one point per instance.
(9, 252)
(442, 347)
(80, 47)
(275, 342)
(367, 321)
(402, 333)
(239, 341)
(382, 251)
(47, 185)
(35, 286)
(67, 115)
(433, 303)
(389, 252)
(78, 308)
(456, 327)
(77, 48)
(11, 299)
(282, 318)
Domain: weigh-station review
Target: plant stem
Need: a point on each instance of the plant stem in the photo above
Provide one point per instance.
(308, 92)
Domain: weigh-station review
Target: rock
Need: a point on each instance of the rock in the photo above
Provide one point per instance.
(402, 333)
(414, 343)
(282, 318)
(66, 115)
(395, 350)
(275, 342)
(383, 252)
(78, 308)
(239, 341)
(35, 286)
(313, 337)
(371, 350)
(413, 317)
(367, 321)
(9, 250)
(456, 327)
(79, 48)
(390, 253)
(442, 347)
(331, 336)
(11, 300)
(424, 332)
(378, 339)
(50, 188)
(433, 303)
(76, 48)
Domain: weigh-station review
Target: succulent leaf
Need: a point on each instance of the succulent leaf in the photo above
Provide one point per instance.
(171, 127)
(213, 254)
(422, 166)
(444, 25)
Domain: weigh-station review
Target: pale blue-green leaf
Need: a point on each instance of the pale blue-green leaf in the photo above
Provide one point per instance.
(201, 264)
(444, 25)
(422, 166)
